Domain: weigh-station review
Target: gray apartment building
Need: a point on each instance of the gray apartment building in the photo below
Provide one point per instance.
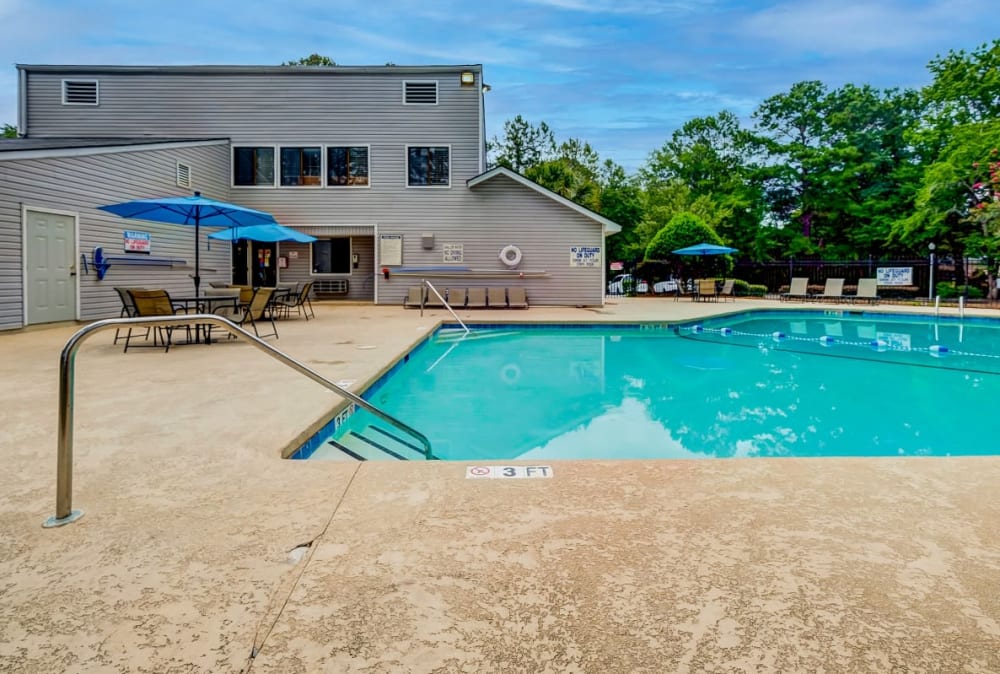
(386, 166)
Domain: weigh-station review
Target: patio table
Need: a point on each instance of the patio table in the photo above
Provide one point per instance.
(206, 304)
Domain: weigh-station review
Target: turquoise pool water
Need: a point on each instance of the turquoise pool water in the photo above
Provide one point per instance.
(765, 383)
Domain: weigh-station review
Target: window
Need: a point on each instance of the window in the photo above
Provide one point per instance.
(346, 166)
(428, 166)
(331, 256)
(79, 92)
(420, 93)
(253, 166)
(301, 166)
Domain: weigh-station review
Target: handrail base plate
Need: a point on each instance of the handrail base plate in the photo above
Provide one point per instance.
(54, 521)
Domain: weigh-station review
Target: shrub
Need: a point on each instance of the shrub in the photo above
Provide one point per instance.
(741, 287)
(756, 290)
(948, 290)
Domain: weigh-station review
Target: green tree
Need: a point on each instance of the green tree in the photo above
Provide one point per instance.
(311, 60)
(687, 229)
(523, 145)
(9, 131)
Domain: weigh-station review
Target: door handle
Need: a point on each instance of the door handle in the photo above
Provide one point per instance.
(72, 270)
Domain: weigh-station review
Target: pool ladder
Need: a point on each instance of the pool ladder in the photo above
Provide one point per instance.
(64, 460)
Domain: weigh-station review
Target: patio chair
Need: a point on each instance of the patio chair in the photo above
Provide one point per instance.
(231, 310)
(728, 290)
(433, 301)
(259, 310)
(456, 298)
(476, 298)
(414, 298)
(156, 303)
(867, 290)
(707, 291)
(684, 287)
(799, 289)
(496, 298)
(517, 298)
(128, 311)
(299, 301)
(834, 290)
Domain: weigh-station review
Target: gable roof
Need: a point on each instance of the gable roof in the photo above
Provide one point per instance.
(610, 227)
(40, 148)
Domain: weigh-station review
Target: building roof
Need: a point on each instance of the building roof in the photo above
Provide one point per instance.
(30, 148)
(610, 227)
(246, 70)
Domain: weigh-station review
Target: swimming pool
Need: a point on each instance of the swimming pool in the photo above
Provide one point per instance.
(757, 383)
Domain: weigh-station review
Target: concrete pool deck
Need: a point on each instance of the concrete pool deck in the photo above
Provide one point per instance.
(184, 559)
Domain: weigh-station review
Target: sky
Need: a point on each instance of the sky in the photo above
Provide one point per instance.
(619, 74)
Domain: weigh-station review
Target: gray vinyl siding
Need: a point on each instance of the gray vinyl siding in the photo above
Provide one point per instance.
(79, 184)
(360, 282)
(498, 213)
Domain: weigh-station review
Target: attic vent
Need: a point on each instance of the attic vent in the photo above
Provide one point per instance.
(79, 92)
(183, 175)
(420, 93)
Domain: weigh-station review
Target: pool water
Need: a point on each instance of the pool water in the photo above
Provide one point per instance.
(754, 384)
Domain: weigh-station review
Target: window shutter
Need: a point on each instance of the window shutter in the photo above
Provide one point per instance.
(420, 93)
(79, 92)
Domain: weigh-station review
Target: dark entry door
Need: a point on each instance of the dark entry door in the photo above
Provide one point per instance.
(255, 263)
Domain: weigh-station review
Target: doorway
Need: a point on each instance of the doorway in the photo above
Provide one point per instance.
(50, 285)
(255, 263)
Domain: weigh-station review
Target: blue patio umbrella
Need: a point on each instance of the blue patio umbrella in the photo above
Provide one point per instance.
(704, 249)
(269, 233)
(195, 210)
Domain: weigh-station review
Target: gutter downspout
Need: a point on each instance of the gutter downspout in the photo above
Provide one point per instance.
(22, 102)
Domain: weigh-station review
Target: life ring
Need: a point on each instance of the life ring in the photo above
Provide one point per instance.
(510, 374)
(510, 255)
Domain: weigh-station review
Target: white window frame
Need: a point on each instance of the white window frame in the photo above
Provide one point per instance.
(347, 187)
(334, 274)
(299, 146)
(97, 91)
(437, 92)
(232, 167)
(406, 167)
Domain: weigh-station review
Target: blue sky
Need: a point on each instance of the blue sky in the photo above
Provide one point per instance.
(621, 74)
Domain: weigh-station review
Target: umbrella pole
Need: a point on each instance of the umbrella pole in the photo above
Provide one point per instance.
(197, 249)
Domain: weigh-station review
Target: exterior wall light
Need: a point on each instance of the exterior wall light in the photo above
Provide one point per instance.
(468, 78)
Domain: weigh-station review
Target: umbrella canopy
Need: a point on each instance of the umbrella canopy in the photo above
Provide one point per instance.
(704, 249)
(272, 233)
(195, 210)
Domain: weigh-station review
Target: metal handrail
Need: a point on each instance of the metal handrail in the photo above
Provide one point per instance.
(64, 460)
(445, 303)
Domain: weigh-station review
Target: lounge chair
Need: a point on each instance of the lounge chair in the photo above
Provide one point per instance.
(867, 290)
(517, 298)
(456, 298)
(834, 290)
(728, 289)
(155, 303)
(707, 290)
(230, 309)
(432, 299)
(799, 289)
(496, 298)
(259, 310)
(299, 301)
(414, 297)
(128, 311)
(476, 298)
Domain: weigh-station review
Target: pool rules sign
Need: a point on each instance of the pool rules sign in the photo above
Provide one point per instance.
(507, 472)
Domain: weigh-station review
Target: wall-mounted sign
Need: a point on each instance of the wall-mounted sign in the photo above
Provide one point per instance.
(894, 276)
(585, 256)
(136, 242)
(293, 255)
(390, 249)
(616, 266)
(454, 252)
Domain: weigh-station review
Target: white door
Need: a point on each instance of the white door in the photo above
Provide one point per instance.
(49, 266)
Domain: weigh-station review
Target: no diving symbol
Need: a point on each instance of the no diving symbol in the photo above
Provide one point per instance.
(479, 471)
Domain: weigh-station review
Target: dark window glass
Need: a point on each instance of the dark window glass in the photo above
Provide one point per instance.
(346, 166)
(427, 166)
(253, 166)
(300, 165)
(332, 256)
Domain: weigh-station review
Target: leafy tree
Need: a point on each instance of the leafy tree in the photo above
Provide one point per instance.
(523, 145)
(687, 229)
(621, 202)
(9, 131)
(312, 60)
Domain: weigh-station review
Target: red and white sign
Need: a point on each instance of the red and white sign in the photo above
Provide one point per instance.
(616, 266)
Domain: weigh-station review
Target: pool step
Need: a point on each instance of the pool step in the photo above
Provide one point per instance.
(372, 443)
(460, 336)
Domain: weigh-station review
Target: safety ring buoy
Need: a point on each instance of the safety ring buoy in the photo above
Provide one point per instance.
(510, 374)
(510, 255)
